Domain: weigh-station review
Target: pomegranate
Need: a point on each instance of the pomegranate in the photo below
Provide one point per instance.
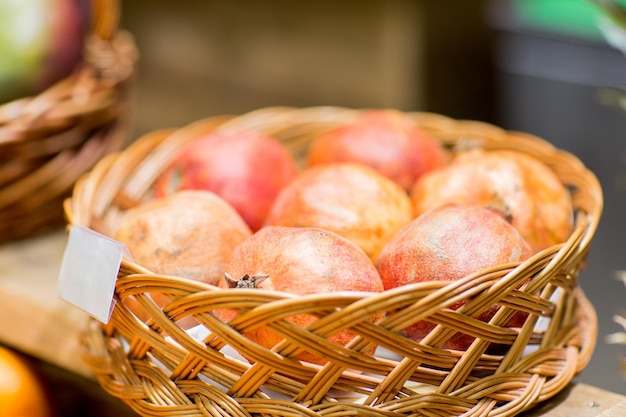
(300, 260)
(245, 168)
(350, 199)
(447, 243)
(385, 140)
(189, 234)
(528, 191)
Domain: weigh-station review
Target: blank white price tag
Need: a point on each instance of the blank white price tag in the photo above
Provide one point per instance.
(89, 270)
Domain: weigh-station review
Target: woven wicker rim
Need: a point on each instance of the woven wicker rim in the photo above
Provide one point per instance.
(475, 382)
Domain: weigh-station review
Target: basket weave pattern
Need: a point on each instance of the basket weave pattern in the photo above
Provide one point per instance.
(160, 369)
(47, 141)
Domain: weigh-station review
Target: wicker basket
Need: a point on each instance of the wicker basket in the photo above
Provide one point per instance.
(159, 369)
(47, 141)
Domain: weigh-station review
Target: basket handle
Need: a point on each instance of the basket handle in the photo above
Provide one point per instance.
(105, 16)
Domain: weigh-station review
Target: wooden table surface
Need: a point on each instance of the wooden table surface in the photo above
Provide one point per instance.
(38, 323)
(33, 319)
(581, 400)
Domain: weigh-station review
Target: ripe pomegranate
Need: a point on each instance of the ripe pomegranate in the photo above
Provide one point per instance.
(350, 199)
(245, 168)
(447, 243)
(187, 234)
(385, 140)
(528, 191)
(301, 260)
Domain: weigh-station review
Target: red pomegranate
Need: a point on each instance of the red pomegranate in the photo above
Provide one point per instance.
(385, 140)
(301, 260)
(349, 199)
(448, 243)
(528, 191)
(246, 168)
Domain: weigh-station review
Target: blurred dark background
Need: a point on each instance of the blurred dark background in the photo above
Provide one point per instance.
(540, 66)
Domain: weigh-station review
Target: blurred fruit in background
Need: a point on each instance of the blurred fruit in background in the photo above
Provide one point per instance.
(41, 42)
(22, 392)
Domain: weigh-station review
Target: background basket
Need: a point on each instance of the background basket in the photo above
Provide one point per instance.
(159, 369)
(47, 141)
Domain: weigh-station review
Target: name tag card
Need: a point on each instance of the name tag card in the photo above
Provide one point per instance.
(89, 270)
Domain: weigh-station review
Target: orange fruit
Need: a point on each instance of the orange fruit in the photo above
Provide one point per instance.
(21, 390)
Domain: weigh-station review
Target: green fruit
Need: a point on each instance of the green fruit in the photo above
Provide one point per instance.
(41, 41)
